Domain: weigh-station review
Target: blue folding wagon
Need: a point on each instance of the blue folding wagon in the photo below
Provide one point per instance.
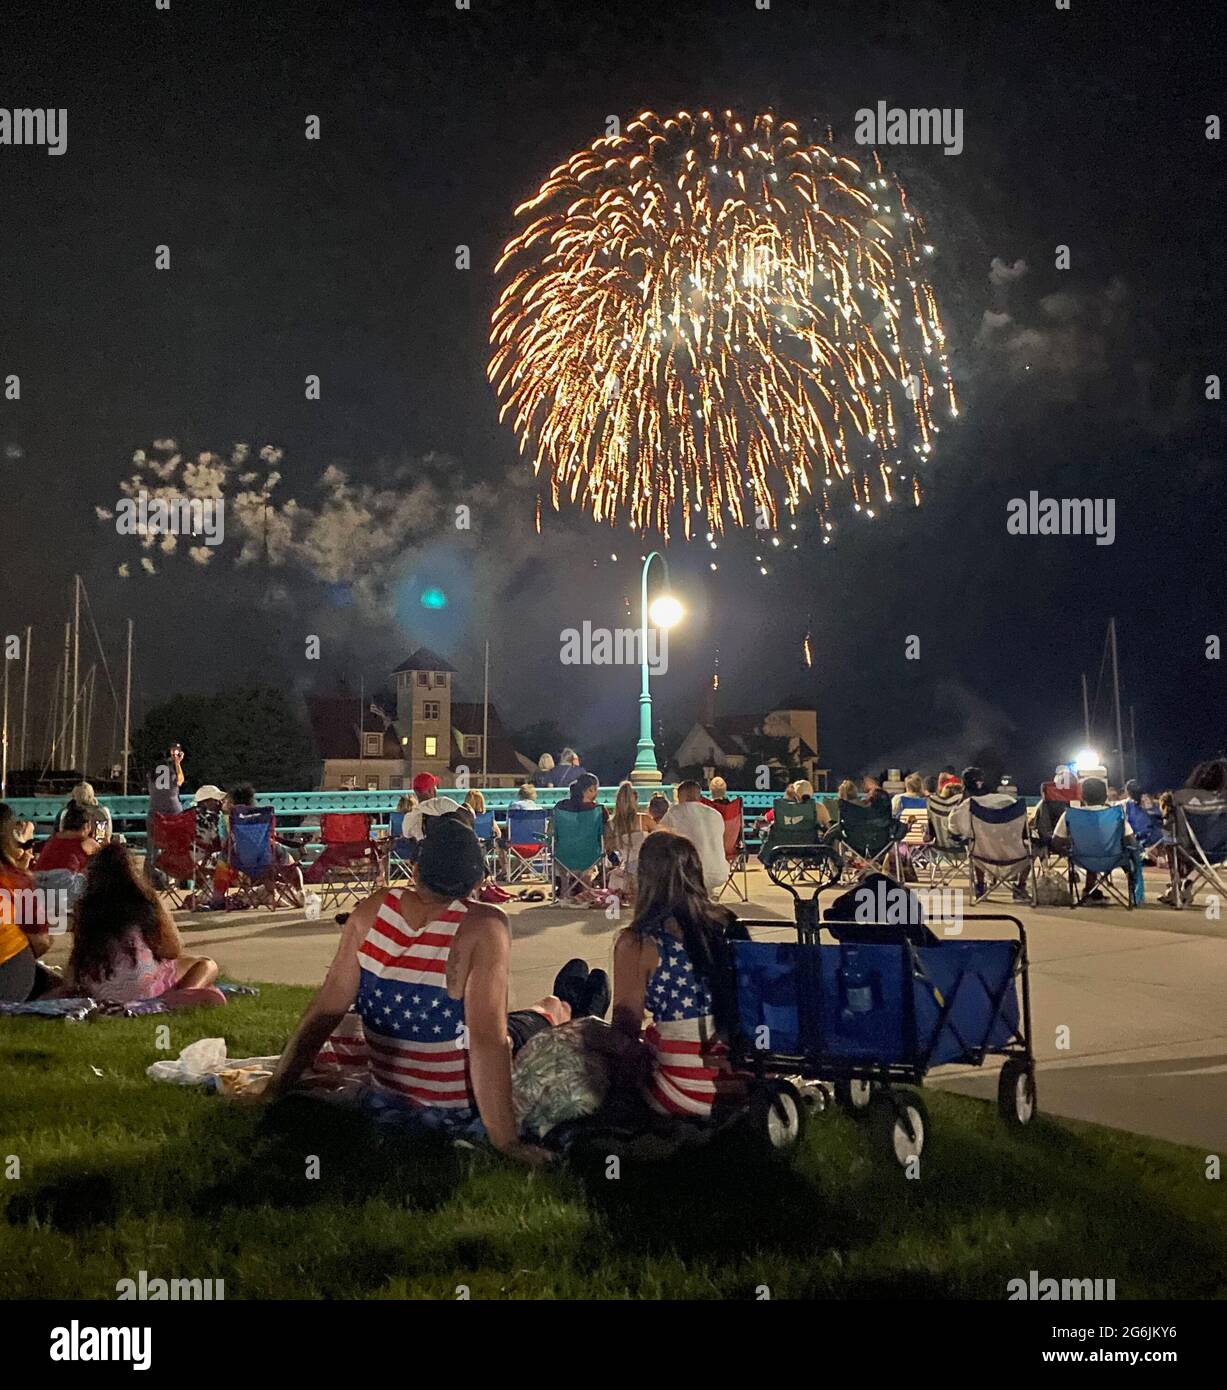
(866, 1009)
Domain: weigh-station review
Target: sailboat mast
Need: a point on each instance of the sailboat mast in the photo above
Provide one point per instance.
(128, 708)
(76, 661)
(25, 695)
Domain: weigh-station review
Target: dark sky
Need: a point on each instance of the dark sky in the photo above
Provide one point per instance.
(335, 257)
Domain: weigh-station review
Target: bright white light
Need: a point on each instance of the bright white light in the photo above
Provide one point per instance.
(1086, 760)
(665, 611)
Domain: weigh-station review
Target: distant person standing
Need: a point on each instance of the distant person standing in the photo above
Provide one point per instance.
(568, 769)
(544, 775)
(164, 783)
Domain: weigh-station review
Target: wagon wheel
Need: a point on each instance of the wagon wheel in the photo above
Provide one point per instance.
(777, 1113)
(1016, 1101)
(854, 1096)
(900, 1122)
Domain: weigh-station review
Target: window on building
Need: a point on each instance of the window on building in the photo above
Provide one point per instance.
(396, 784)
(372, 745)
(372, 784)
(423, 678)
(432, 746)
(472, 746)
(438, 678)
(430, 710)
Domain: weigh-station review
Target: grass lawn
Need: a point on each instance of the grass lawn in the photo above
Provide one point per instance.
(119, 1174)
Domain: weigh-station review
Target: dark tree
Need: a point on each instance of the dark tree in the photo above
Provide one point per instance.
(255, 736)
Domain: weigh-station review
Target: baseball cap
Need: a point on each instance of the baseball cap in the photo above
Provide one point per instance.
(425, 784)
(451, 862)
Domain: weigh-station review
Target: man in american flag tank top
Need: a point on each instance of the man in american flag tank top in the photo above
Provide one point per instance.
(425, 969)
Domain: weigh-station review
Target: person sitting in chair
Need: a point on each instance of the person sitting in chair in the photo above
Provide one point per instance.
(983, 790)
(1095, 798)
(705, 827)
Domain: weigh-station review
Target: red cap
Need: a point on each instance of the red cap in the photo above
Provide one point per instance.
(425, 784)
(946, 780)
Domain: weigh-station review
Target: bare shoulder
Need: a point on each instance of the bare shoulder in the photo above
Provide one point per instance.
(485, 922)
(362, 918)
(629, 945)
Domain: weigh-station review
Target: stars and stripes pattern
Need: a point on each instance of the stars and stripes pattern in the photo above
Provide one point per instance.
(346, 1049)
(682, 1034)
(415, 1033)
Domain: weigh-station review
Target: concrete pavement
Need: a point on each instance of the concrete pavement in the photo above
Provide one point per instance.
(1140, 997)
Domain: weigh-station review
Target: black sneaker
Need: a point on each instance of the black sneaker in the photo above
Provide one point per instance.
(596, 997)
(570, 984)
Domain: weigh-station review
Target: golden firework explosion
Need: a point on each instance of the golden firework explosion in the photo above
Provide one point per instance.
(704, 311)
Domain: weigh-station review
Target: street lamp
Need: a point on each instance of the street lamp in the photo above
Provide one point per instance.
(665, 613)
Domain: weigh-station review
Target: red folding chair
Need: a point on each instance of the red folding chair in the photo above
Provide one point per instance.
(734, 846)
(173, 852)
(349, 864)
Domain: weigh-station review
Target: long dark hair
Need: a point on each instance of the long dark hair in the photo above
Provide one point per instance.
(116, 899)
(1210, 776)
(670, 885)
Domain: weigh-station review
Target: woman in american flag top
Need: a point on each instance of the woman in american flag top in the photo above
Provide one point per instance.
(426, 970)
(668, 962)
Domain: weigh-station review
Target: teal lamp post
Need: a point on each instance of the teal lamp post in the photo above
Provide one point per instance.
(665, 612)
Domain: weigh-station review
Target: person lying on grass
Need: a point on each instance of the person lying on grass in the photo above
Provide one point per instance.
(426, 967)
(125, 943)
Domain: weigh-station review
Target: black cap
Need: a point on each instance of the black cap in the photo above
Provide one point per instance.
(451, 862)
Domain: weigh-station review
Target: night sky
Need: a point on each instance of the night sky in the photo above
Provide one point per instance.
(336, 257)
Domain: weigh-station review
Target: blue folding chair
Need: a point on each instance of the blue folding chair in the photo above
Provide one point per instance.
(1097, 846)
(252, 855)
(528, 846)
(402, 856)
(483, 828)
(1147, 826)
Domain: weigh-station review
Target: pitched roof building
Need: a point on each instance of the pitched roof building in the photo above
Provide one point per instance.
(378, 749)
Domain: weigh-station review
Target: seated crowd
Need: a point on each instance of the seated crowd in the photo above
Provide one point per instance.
(423, 969)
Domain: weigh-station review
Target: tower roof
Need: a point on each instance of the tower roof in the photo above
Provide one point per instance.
(424, 660)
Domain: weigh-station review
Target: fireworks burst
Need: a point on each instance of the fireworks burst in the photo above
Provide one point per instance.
(705, 315)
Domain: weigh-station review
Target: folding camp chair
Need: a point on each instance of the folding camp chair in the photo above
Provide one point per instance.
(402, 855)
(792, 849)
(914, 814)
(1052, 859)
(944, 856)
(577, 847)
(730, 811)
(173, 853)
(483, 828)
(1000, 848)
(349, 862)
(527, 858)
(1097, 846)
(1147, 825)
(252, 855)
(867, 837)
(1197, 847)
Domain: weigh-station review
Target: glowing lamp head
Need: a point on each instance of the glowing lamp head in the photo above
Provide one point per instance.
(434, 598)
(1086, 760)
(665, 611)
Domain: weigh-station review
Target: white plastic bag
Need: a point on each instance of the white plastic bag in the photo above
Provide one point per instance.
(200, 1063)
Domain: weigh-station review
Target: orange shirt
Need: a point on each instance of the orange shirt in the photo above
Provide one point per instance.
(13, 937)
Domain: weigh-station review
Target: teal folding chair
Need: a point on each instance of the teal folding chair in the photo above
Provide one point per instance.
(577, 847)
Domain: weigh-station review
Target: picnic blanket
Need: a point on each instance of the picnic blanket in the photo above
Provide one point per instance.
(79, 1008)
